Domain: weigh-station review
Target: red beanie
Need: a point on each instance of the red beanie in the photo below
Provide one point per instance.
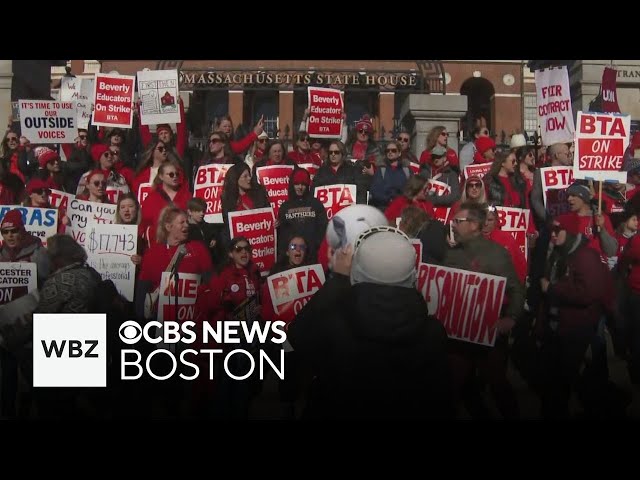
(13, 219)
(36, 184)
(45, 155)
(484, 143)
(163, 126)
(97, 150)
(365, 124)
(300, 177)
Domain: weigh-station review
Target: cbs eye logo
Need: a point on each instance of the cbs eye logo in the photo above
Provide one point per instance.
(130, 332)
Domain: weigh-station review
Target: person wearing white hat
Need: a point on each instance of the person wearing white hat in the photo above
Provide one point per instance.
(367, 334)
(517, 141)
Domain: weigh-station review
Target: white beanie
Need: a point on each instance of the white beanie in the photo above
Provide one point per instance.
(384, 256)
(517, 141)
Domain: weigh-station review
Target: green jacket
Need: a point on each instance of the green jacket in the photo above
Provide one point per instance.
(485, 256)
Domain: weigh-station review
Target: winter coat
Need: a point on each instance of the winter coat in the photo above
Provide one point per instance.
(29, 250)
(375, 351)
(345, 174)
(71, 289)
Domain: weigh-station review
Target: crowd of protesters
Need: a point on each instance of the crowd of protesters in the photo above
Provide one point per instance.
(365, 345)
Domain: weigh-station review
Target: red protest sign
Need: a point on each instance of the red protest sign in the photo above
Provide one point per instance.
(467, 303)
(479, 170)
(335, 197)
(417, 244)
(208, 186)
(609, 91)
(516, 222)
(439, 188)
(291, 290)
(113, 100)
(555, 181)
(601, 139)
(275, 179)
(325, 112)
(257, 226)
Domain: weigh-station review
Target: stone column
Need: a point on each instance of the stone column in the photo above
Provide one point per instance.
(6, 74)
(421, 112)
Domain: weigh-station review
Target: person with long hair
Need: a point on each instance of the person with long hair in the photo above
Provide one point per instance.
(14, 156)
(293, 256)
(95, 188)
(414, 193)
(225, 125)
(154, 156)
(105, 162)
(128, 213)
(302, 152)
(177, 144)
(275, 154)
(503, 186)
(438, 136)
(362, 150)
(337, 170)
(52, 172)
(219, 152)
(240, 193)
(166, 191)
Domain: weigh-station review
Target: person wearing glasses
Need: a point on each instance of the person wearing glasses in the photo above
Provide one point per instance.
(294, 255)
(337, 170)
(105, 161)
(504, 185)
(467, 153)
(404, 139)
(177, 144)
(438, 169)
(302, 213)
(225, 125)
(390, 178)
(95, 188)
(78, 156)
(302, 153)
(256, 151)
(233, 294)
(166, 192)
(52, 171)
(362, 150)
(219, 151)
(152, 158)
(373, 348)
(474, 252)
(438, 137)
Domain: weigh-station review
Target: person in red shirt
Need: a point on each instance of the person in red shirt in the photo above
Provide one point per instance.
(438, 136)
(492, 231)
(503, 188)
(414, 193)
(152, 158)
(485, 150)
(95, 188)
(240, 146)
(166, 191)
(302, 152)
(164, 133)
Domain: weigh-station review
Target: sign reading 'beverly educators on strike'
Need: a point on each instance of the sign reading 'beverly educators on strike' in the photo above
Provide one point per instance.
(601, 139)
(325, 113)
(258, 227)
(113, 100)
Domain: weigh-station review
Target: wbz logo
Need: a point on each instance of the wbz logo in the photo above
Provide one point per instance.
(69, 350)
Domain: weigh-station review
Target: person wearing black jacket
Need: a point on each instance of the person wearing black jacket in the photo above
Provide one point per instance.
(302, 213)
(367, 335)
(336, 170)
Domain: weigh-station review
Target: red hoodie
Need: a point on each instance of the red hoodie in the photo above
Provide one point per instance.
(452, 157)
(398, 204)
(153, 205)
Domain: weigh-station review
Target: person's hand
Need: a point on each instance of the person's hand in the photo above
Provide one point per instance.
(544, 284)
(451, 241)
(24, 141)
(306, 113)
(342, 260)
(600, 220)
(259, 128)
(344, 116)
(65, 221)
(212, 243)
(368, 171)
(136, 259)
(504, 325)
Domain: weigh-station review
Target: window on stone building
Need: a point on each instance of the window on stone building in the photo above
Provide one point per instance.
(530, 113)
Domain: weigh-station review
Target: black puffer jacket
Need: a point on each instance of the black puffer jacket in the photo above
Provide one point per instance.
(375, 352)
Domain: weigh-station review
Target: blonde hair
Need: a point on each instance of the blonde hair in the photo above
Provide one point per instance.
(167, 215)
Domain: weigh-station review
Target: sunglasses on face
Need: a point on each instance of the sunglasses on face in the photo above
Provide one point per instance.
(474, 185)
(242, 248)
(391, 150)
(98, 183)
(556, 229)
(304, 139)
(405, 140)
(444, 134)
(10, 231)
(335, 152)
(82, 137)
(262, 140)
(215, 140)
(296, 246)
(161, 149)
(42, 191)
(115, 154)
(12, 139)
(171, 174)
(363, 131)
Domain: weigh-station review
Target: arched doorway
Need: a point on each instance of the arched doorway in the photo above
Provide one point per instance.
(479, 92)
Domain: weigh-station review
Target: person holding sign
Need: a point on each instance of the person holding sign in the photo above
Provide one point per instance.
(476, 253)
(128, 213)
(492, 231)
(166, 192)
(152, 158)
(337, 171)
(302, 213)
(362, 150)
(164, 133)
(302, 152)
(439, 170)
(367, 334)
(233, 294)
(18, 245)
(105, 162)
(38, 196)
(293, 256)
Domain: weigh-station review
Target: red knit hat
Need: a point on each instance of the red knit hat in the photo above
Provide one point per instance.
(300, 177)
(97, 150)
(45, 155)
(36, 184)
(365, 124)
(484, 143)
(163, 126)
(13, 219)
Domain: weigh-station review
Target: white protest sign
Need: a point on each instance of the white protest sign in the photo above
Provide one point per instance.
(291, 290)
(84, 104)
(335, 197)
(109, 250)
(17, 279)
(39, 222)
(159, 95)
(70, 89)
(601, 140)
(82, 213)
(43, 121)
(555, 115)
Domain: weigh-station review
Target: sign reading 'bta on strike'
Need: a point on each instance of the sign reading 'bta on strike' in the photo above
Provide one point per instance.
(113, 100)
(601, 140)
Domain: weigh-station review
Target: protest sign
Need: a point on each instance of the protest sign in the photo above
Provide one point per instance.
(257, 226)
(208, 186)
(335, 197)
(555, 115)
(291, 290)
(159, 95)
(113, 97)
(275, 179)
(43, 121)
(39, 222)
(325, 112)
